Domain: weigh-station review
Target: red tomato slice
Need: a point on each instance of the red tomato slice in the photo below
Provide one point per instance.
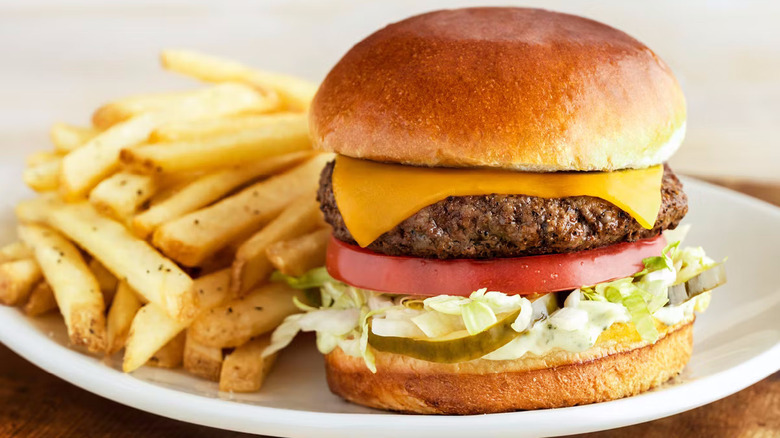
(519, 275)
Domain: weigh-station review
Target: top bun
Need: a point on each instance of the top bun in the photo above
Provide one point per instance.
(514, 88)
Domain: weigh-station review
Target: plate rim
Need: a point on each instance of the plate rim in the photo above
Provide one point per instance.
(89, 373)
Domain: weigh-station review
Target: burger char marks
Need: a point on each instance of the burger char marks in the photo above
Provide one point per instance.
(491, 226)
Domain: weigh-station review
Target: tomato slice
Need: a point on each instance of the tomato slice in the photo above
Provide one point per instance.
(366, 269)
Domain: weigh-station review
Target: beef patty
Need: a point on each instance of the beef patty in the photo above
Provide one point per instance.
(491, 226)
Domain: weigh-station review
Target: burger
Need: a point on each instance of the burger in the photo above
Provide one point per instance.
(502, 216)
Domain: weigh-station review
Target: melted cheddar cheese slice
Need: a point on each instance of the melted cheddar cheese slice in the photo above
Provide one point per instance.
(375, 197)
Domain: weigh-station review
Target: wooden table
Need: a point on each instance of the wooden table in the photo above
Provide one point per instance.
(34, 403)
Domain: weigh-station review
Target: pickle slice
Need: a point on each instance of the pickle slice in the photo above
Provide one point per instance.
(705, 281)
(449, 349)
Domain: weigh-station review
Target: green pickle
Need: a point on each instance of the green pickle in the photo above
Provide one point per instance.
(449, 349)
(703, 282)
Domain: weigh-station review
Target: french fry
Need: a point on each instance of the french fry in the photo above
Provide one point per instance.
(75, 288)
(199, 360)
(245, 369)
(14, 251)
(67, 137)
(152, 328)
(295, 93)
(251, 265)
(120, 195)
(41, 157)
(129, 258)
(83, 168)
(298, 255)
(36, 211)
(120, 316)
(108, 283)
(17, 279)
(41, 300)
(234, 323)
(184, 131)
(285, 134)
(129, 107)
(170, 355)
(192, 238)
(43, 177)
(207, 189)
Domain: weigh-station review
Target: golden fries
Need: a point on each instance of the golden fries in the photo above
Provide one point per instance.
(41, 300)
(120, 316)
(43, 177)
(234, 323)
(283, 134)
(295, 93)
(202, 361)
(66, 137)
(170, 355)
(298, 255)
(251, 265)
(120, 195)
(83, 168)
(14, 251)
(131, 259)
(152, 328)
(226, 98)
(75, 288)
(207, 189)
(185, 131)
(17, 279)
(245, 369)
(166, 211)
(194, 237)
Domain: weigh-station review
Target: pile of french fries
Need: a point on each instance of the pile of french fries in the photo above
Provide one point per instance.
(156, 229)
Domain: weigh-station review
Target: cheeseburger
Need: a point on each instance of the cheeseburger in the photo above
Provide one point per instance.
(501, 213)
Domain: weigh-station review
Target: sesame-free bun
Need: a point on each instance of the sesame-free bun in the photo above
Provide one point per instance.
(515, 88)
(620, 367)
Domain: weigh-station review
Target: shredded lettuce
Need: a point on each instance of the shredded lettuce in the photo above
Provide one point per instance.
(343, 314)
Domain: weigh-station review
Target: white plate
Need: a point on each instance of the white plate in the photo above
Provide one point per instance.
(737, 343)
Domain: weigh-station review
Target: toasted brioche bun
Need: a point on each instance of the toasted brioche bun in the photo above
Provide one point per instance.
(619, 366)
(515, 88)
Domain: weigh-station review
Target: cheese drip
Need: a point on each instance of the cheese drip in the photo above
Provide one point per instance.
(375, 197)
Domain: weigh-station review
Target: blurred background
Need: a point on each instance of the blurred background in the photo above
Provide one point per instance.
(62, 59)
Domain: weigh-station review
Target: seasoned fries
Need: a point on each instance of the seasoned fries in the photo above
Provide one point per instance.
(120, 195)
(202, 361)
(17, 278)
(295, 93)
(152, 328)
(43, 177)
(296, 256)
(123, 309)
(283, 134)
(208, 189)
(14, 251)
(171, 210)
(67, 138)
(234, 323)
(226, 98)
(155, 277)
(244, 369)
(75, 288)
(83, 168)
(194, 237)
(170, 355)
(251, 265)
(41, 300)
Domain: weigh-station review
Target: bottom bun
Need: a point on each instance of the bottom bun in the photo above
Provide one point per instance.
(409, 385)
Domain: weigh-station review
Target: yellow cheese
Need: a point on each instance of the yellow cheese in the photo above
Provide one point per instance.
(375, 197)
